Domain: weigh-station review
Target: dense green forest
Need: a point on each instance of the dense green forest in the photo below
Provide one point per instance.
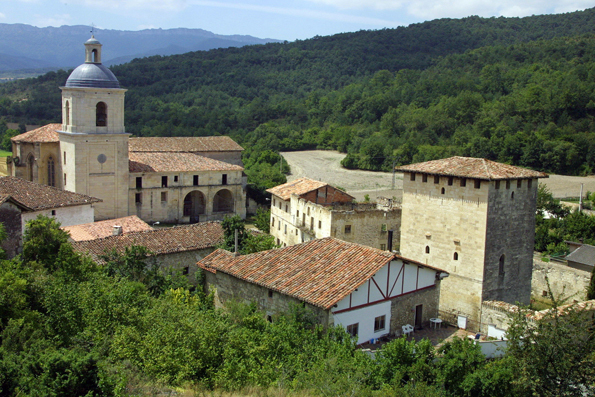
(71, 328)
(516, 90)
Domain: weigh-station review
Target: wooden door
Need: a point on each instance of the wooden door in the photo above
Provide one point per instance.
(418, 316)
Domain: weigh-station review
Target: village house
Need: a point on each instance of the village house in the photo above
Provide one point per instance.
(474, 218)
(171, 179)
(110, 227)
(22, 201)
(178, 247)
(305, 209)
(370, 292)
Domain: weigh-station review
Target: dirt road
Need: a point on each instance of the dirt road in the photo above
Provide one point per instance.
(325, 166)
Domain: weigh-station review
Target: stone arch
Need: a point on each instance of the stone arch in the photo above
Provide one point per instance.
(101, 114)
(51, 163)
(223, 201)
(94, 56)
(194, 205)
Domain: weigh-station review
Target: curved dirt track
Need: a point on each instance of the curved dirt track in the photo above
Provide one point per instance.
(324, 165)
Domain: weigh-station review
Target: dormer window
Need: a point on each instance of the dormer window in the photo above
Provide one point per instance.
(101, 114)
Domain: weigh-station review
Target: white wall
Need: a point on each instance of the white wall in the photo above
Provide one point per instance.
(365, 317)
(67, 216)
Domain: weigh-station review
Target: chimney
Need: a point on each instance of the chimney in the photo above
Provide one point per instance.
(117, 230)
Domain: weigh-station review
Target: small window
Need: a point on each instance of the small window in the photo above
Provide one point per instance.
(320, 224)
(501, 266)
(175, 178)
(347, 229)
(512, 196)
(424, 178)
(311, 222)
(138, 198)
(436, 179)
(519, 183)
(270, 293)
(379, 323)
(286, 208)
(353, 329)
(64, 179)
(383, 247)
(308, 210)
(280, 205)
(412, 176)
(272, 221)
(455, 256)
(463, 182)
(442, 191)
(450, 180)
(185, 271)
(139, 182)
(279, 225)
(497, 184)
(164, 181)
(427, 249)
(195, 180)
(224, 179)
(529, 183)
(285, 229)
(507, 184)
(296, 232)
(478, 183)
(53, 212)
(101, 114)
(544, 293)
(297, 213)
(163, 197)
(64, 158)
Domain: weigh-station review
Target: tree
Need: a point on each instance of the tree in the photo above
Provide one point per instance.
(262, 220)
(248, 242)
(553, 355)
(42, 241)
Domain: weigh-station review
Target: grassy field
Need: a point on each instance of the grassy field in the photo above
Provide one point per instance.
(4, 153)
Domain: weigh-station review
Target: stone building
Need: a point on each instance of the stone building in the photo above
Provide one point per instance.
(474, 218)
(22, 201)
(177, 180)
(370, 292)
(110, 227)
(178, 247)
(305, 209)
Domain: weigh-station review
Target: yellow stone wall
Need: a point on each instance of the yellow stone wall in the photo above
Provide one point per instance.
(82, 105)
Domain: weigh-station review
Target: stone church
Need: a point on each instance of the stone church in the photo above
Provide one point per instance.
(175, 180)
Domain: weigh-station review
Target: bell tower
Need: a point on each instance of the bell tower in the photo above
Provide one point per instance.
(93, 140)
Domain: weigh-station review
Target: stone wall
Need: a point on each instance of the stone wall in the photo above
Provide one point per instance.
(403, 308)
(565, 281)
(496, 314)
(229, 288)
(185, 262)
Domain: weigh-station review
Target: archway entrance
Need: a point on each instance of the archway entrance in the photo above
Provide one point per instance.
(194, 205)
(223, 201)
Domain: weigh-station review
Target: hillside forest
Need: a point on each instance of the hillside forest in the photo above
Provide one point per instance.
(515, 90)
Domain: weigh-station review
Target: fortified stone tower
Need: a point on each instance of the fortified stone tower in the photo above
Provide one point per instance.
(474, 218)
(93, 141)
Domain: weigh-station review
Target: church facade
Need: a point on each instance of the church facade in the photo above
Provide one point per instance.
(175, 180)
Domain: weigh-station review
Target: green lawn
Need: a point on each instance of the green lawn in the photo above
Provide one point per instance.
(4, 153)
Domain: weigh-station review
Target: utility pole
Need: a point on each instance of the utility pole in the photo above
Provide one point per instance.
(580, 200)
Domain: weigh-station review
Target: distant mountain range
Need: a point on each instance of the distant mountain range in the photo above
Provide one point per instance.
(28, 47)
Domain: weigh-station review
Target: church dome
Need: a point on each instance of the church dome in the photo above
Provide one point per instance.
(92, 75)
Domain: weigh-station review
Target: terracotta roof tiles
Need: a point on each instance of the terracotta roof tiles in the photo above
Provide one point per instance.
(320, 272)
(299, 186)
(176, 162)
(159, 241)
(40, 197)
(469, 167)
(95, 230)
(45, 134)
(184, 144)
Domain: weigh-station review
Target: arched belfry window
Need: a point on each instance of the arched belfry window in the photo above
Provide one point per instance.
(94, 55)
(67, 113)
(427, 249)
(30, 165)
(101, 114)
(51, 172)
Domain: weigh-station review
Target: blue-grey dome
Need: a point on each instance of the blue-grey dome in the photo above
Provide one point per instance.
(92, 40)
(92, 75)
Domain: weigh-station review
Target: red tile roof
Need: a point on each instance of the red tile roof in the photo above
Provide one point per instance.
(159, 241)
(184, 144)
(469, 167)
(320, 272)
(176, 162)
(41, 197)
(45, 134)
(95, 230)
(299, 186)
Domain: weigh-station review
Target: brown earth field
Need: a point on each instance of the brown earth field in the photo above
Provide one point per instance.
(325, 165)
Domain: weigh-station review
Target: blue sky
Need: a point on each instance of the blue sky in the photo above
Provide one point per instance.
(280, 19)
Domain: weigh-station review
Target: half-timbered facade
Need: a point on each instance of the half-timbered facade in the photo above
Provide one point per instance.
(370, 292)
